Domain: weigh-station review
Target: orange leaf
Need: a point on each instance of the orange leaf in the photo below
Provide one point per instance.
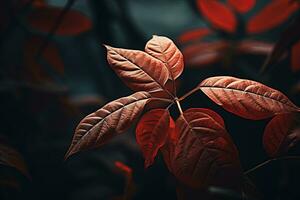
(205, 154)
(112, 119)
(274, 14)
(43, 18)
(219, 14)
(166, 51)
(242, 6)
(281, 134)
(152, 132)
(296, 57)
(139, 71)
(246, 98)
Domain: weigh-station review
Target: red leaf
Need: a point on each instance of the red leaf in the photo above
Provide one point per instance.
(204, 53)
(296, 57)
(43, 19)
(242, 6)
(196, 34)
(281, 134)
(246, 98)
(152, 132)
(274, 14)
(254, 47)
(139, 71)
(205, 154)
(219, 14)
(50, 56)
(112, 119)
(166, 51)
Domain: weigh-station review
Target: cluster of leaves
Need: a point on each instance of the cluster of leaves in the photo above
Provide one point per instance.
(196, 148)
(235, 33)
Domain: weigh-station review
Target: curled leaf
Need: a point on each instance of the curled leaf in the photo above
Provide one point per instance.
(246, 98)
(219, 14)
(112, 119)
(274, 14)
(166, 51)
(281, 134)
(43, 18)
(139, 71)
(152, 132)
(204, 154)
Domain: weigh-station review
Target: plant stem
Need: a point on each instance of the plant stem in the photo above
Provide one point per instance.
(178, 105)
(54, 28)
(189, 93)
(271, 160)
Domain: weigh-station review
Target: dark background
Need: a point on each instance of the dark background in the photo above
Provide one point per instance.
(39, 120)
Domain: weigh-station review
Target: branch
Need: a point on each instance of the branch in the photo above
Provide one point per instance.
(189, 93)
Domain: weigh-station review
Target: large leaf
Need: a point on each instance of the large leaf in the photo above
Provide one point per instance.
(139, 71)
(242, 6)
(274, 14)
(246, 98)
(112, 119)
(204, 154)
(152, 132)
(43, 18)
(281, 134)
(219, 14)
(166, 51)
(10, 157)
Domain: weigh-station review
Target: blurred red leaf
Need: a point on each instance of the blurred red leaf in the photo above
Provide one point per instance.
(196, 34)
(50, 56)
(295, 56)
(254, 47)
(129, 188)
(204, 154)
(274, 14)
(43, 18)
(166, 51)
(242, 6)
(281, 134)
(219, 14)
(112, 119)
(152, 132)
(246, 98)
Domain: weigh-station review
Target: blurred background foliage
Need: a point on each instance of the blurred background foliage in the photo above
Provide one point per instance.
(49, 82)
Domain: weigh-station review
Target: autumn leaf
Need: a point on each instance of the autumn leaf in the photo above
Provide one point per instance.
(246, 98)
(281, 134)
(10, 157)
(166, 51)
(272, 15)
(242, 6)
(112, 119)
(152, 132)
(219, 14)
(205, 154)
(138, 70)
(43, 18)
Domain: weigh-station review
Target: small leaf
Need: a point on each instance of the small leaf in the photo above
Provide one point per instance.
(242, 6)
(112, 119)
(254, 47)
(138, 70)
(12, 158)
(43, 19)
(296, 57)
(166, 51)
(205, 154)
(219, 14)
(281, 134)
(196, 34)
(274, 14)
(152, 132)
(246, 98)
